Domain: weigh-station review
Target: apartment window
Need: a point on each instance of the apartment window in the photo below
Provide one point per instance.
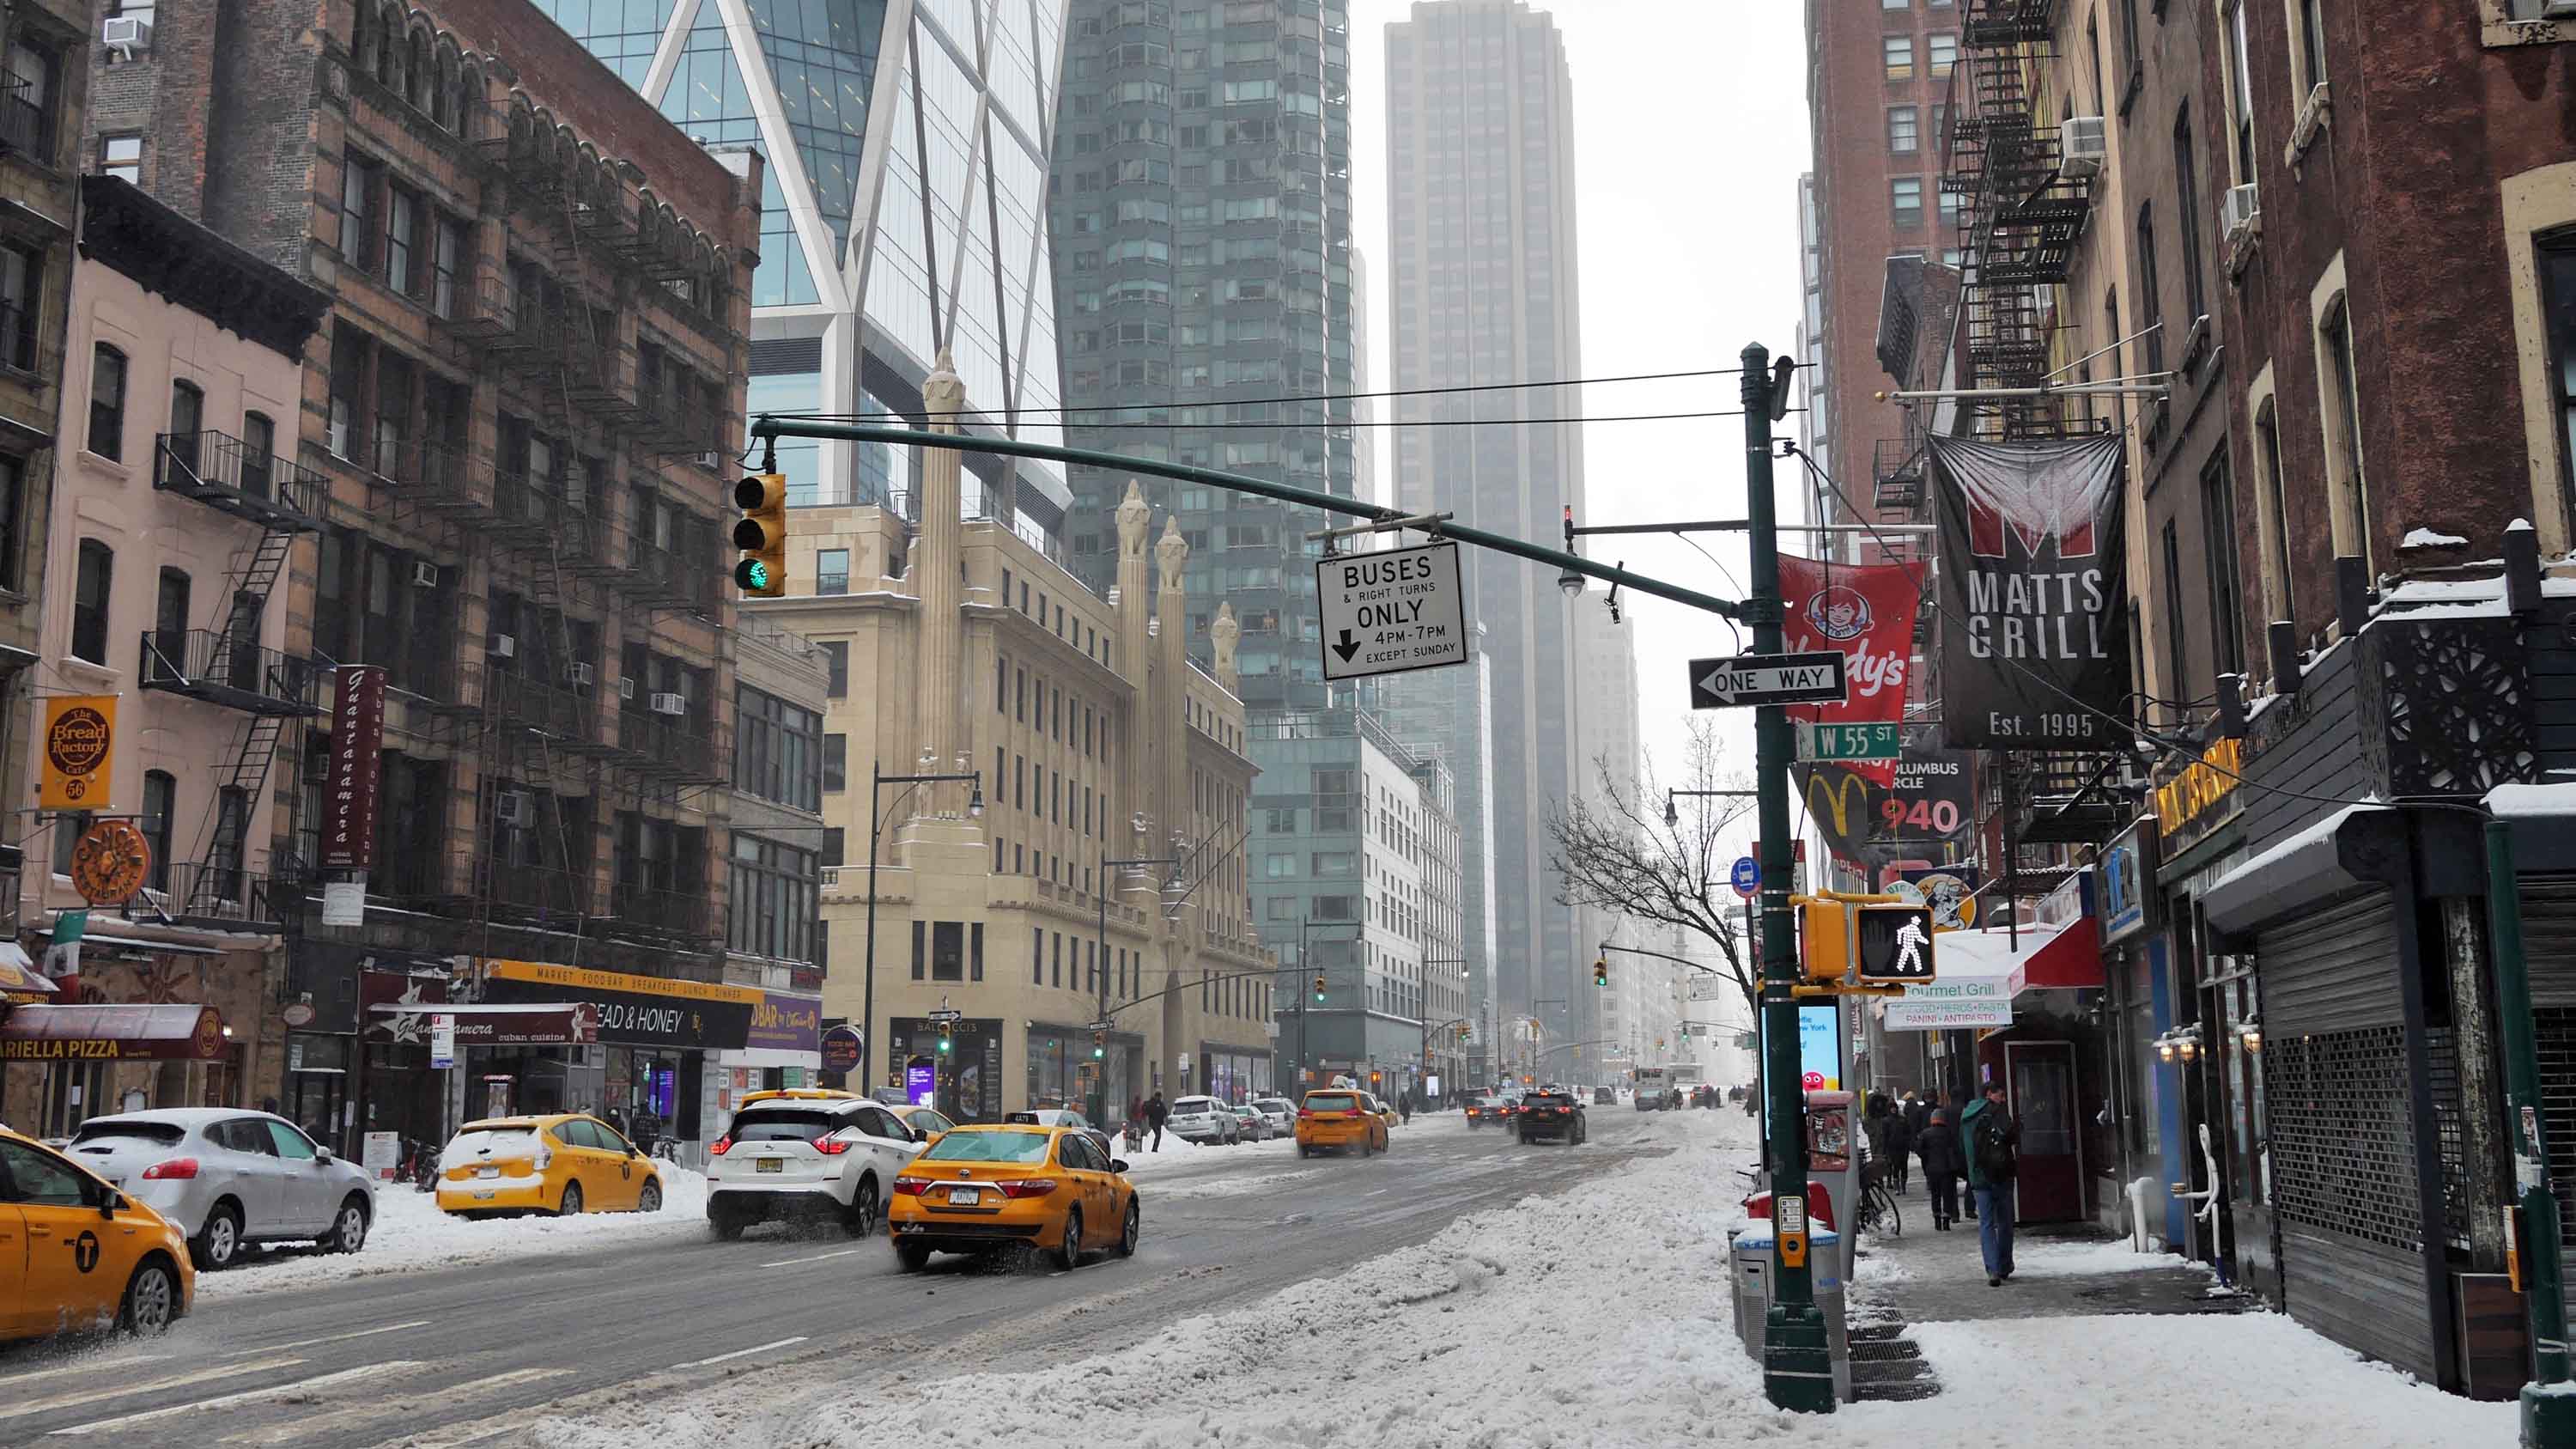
(1944, 48)
(402, 239)
(2151, 298)
(2558, 294)
(21, 275)
(13, 503)
(107, 402)
(187, 419)
(1905, 200)
(2093, 42)
(258, 454)
(27, 119)
(160, 801)
(836, 751)
(2129, 48)
(2240, 91)
(358, 185)
(91, 586)
(831, 571)
(1899, 52)
(2343, 423)
(2176, 685)
(2278, 595)
(1903, 130)
(774, 898)
(447, 266)
(836, 669)
(2187, 216)
(774, 750)
(2218, 541)
(1896, 4)
(2312, 41)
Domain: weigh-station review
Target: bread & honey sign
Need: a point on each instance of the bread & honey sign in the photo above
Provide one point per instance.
(79, 747)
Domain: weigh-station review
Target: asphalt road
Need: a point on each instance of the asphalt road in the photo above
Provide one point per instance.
(476, 1355)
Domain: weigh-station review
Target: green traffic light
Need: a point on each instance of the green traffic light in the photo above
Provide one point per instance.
(752, 573)
(943, 1047)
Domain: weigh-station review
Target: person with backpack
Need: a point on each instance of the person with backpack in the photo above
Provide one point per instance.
(1938, 1146)
(1993, 1141)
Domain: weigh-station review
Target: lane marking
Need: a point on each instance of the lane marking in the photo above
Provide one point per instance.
(369, 1413)
(81, 1365)
(739, 1353)
(334, 1338)
(245, 1396)
(817, 1258)
(91, 1396)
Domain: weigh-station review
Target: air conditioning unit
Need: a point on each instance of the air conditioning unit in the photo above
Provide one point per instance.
(666, 703)
(511, 807)
(2239, 211)
(2083, 146)
(582, 675)
(626, 687)
(504, 647)
(424, 575)
(126, 36)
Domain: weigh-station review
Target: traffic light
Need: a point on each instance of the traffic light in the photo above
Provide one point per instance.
(1824, 940)
(946, 1033)
(1892, 944)
(1099, 1045)
(1600, 970)
(761, 535)
(1319, 988)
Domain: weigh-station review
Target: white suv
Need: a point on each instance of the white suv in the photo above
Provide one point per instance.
(807, 1153)
(1204, 1120)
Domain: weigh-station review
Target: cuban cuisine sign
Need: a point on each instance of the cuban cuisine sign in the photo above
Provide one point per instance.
(632, 1010)
(349, 792)
(2034, 584)
(1390, 612)
(1866, 612)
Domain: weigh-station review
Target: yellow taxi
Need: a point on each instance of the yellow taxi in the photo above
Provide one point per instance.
(562, 1163)
(77, 1254)
(1342, 1117)
(796, 1094)
(984, 1186)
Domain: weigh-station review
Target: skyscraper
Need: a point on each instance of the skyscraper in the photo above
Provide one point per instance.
(1481, 281)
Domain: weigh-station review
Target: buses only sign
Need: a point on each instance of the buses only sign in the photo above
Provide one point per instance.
(1386, 613)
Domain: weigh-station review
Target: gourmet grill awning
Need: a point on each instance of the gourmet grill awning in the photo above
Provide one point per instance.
(114, 1033)
(533, 1024)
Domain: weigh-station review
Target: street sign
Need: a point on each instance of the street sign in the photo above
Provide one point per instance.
(943, 1014)
(1823, 744)
(1746, 876)
(1892, 944)
(1103, 1024)
(1767, 679)
(1391, 612)
(1708, 988)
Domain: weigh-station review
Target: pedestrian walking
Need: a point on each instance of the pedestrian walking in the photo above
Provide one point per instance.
(1873, 1125)
(1993, 1141)
(1900, 1148)
(1404, 1106)
(1942, 1165)
(1918, 1114)
(1156, 1112)
(1958, 1119)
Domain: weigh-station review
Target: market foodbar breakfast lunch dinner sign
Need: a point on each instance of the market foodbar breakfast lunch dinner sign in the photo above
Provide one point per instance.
(633, 1010)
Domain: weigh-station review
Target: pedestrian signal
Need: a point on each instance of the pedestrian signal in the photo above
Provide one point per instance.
(1824, 940)
(1892, 944)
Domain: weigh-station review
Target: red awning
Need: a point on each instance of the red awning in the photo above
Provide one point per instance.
(2073, 957)
(114, 1033)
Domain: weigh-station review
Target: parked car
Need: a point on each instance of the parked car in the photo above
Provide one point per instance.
(1205, 1121)
(1279, 1112)
(562, 1163)
(1604, 1097)
(136, 1276)
(230, 1178)
(1060, 1117)
(1256, 1127)
(988, 1186)
(815, 1154)
(926, 1122)
(1557, 1115)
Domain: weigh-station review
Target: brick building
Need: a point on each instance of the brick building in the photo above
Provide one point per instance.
(523, 411)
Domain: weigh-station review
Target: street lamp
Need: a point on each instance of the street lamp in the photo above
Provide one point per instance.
(877, 781)
(1427, 963)
(1673, 817)
(1099, 1094)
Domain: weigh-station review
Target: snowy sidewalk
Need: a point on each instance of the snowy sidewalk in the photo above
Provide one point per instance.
(1940, 1277)
(1597, 1317)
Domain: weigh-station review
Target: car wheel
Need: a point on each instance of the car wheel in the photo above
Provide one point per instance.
(724, 1225)
(1068, 1254)
(571, 1200)
(1304, 1151)
(219, 1242)
(650, 1199)
(861, 1219)
(349, 1229)
(911, 1257)
(1127, 1231)
(151, 1299)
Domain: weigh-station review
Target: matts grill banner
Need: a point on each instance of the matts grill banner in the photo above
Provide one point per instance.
(2034, 593)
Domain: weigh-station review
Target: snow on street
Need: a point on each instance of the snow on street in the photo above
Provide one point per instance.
(1593, 1319)
(411, 1235)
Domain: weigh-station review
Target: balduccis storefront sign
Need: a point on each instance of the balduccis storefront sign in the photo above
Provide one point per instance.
(1956, 1001)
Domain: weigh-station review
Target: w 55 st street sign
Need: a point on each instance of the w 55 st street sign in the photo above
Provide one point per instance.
(1748, 679)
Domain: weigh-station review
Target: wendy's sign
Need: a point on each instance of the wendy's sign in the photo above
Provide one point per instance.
(1865, 611)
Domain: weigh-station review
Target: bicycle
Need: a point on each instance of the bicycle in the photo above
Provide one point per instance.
(1878, 1212)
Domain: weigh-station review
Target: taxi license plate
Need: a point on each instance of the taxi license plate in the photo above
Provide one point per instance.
(487, 1172)
(485, 1194)
(968, 1196)
(769, 1164)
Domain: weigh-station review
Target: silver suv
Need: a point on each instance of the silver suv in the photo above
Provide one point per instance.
(1204, 1120)
(808, 1153)
(229, 1178)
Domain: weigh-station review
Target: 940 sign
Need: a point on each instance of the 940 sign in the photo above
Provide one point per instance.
(1919, 816)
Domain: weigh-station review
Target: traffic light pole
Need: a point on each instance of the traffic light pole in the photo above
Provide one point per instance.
(1797, 1372)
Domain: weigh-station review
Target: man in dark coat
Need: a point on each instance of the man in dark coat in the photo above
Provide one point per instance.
(1900, 1147)
(1156, 1111)
(1943, 1162)
(1993, 1143)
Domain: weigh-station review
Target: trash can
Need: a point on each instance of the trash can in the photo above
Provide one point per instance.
(1749, 1251)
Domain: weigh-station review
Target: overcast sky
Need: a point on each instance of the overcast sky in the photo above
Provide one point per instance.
(1690, 133)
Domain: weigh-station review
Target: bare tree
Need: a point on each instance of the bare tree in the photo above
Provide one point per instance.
(1617, 850)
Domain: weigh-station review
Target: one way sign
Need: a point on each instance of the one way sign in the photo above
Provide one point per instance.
(1767, 679)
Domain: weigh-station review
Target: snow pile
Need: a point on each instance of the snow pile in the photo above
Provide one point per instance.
(410, 1235)
(2429, 538)
(2039, 1259)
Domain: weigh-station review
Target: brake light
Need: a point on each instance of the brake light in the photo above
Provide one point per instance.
(176, 1167)
(910, 1186)
(832, 1146)
(1027, 1186)
(718, 1147)
(1305, 1114)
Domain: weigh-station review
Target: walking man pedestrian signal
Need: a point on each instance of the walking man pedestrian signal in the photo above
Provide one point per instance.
(1892, 944)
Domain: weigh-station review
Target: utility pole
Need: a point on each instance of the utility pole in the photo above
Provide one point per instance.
(1796, 1371)
(2548, 1413)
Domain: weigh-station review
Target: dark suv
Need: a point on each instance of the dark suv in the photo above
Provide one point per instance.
(1557, 1114)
